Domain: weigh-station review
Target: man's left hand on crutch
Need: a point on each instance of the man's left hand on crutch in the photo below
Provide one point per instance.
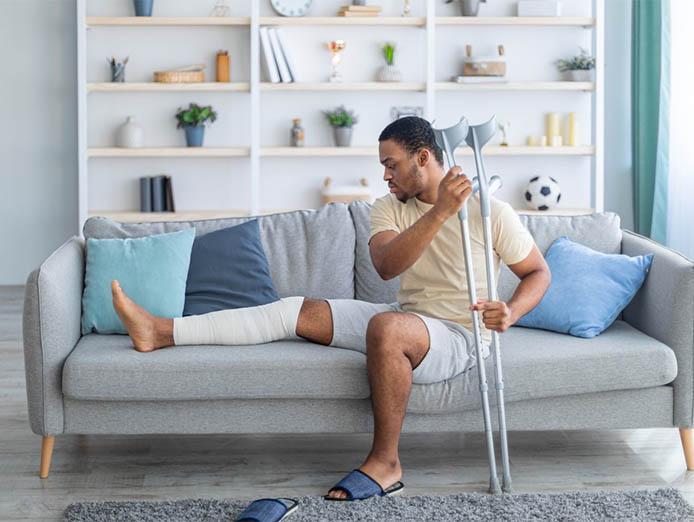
(496, 315)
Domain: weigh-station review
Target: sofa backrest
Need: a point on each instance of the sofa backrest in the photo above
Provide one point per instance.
(599, 231)
(310, 252)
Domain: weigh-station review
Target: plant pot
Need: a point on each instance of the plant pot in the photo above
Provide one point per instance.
(581, 75)
(195, 135)
(143, 7)
(343, 136)
(470, 7)
(130, 134)
(389, 73)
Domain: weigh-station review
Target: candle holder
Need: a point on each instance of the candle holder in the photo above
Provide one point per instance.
(336, 47)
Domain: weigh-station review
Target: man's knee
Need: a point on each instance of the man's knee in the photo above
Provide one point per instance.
(382, 331)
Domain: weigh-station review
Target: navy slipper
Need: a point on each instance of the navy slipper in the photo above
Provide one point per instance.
(359, 486)
(268, 510)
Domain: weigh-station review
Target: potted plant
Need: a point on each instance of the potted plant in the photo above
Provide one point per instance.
(389, 73)
(579, 68)
(469, 7)
(143, 7)
(341, 121)
(193, 121)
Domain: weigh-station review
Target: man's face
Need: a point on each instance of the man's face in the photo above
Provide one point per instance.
(405, 177)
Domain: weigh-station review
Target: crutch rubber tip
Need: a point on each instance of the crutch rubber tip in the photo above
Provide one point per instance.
(494, 488)
(507, 488)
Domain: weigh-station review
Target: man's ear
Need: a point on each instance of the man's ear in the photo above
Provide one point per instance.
(423, 157)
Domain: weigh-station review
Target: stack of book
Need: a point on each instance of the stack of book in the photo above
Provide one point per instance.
(156, 194)
(359, 10)
(278, 64)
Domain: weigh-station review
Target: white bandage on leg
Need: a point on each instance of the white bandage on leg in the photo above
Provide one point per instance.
(252, 325)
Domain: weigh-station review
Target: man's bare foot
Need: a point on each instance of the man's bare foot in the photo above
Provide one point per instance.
(385, 473)
(146, 331)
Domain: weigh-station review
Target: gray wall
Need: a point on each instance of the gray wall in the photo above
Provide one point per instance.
(38, 139)
(38, 184)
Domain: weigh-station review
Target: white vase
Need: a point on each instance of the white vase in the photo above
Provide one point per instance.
(581, 75)
(389, 73)
(130, 134)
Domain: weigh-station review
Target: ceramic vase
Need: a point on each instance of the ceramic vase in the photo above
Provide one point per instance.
(130, 134)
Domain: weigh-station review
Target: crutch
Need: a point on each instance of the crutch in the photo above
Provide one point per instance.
(449, 139)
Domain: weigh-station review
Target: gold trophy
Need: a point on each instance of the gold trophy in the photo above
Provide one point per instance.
(336, 47)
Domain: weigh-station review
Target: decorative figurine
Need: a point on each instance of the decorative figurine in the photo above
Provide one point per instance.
(297, 133)
(503, 127)
(221, 8)
(336, 47)
(406, 8)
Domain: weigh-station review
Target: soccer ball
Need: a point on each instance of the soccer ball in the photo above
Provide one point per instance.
(542, 193)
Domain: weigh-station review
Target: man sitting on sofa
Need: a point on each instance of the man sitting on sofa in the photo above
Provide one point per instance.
(425, 336)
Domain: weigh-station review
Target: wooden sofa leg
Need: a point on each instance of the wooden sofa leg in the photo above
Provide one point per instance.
(687, 437)
(46, 454)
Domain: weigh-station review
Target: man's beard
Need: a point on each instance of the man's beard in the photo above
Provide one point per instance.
(415, 176)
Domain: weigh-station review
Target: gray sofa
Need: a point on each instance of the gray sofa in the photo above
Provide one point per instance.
(637, 374)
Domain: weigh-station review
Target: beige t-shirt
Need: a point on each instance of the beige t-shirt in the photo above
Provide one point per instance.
(436, 284)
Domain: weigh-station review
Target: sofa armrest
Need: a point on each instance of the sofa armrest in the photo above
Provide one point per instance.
(51, 329)
(664, 309)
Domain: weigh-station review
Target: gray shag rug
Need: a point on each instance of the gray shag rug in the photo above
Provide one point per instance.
(646, 505)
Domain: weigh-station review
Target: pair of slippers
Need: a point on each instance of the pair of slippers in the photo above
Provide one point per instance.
(357, 484)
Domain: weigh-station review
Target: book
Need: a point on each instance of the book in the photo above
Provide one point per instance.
(145, 194)
(158, 201)
(352, 13)
(357, 8)
(273, 74)
(287, 55)
(279, 57)
(169, 205)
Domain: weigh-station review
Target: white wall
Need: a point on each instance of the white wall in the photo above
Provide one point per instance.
(41, 191)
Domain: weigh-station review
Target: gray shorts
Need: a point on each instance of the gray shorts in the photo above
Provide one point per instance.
(451, 345)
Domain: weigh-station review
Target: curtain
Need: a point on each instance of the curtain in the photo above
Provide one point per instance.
(649, 98)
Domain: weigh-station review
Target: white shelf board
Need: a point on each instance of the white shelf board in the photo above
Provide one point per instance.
(562, 21)
(343, 86)
(93, 21)
(163, 152)
(491, 150)
(516, 86)
(413, 21)
(168, 87)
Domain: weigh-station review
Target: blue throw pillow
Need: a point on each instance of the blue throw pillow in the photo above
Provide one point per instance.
(228, 269)
(152, 270)
(588, 291)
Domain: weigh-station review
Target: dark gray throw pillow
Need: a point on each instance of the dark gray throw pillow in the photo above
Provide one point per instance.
(228, 269)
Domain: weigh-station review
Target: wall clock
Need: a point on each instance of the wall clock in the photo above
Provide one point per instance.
(291, 7)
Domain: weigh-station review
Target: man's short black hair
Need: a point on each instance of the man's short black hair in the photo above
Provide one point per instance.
(413, 134)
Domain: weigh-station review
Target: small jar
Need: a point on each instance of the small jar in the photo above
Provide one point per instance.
(297, 133)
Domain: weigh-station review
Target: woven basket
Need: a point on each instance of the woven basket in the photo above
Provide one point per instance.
(190, 74)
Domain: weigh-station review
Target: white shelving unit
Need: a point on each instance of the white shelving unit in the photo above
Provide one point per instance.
(254, 151)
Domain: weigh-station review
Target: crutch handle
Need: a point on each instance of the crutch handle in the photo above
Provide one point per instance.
(495, 183)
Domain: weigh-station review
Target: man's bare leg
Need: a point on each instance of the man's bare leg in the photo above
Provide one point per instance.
(396, 343)
(149, 332)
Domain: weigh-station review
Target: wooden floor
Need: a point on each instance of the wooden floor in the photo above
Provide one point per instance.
(90, 468)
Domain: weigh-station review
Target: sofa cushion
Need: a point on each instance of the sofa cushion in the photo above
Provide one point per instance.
(536, 364)
(599, 231)
(368, 285)
(539, 363)
(228, 269)
(310, 252)
(151, 270)
(107, 367)
(589, 289)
